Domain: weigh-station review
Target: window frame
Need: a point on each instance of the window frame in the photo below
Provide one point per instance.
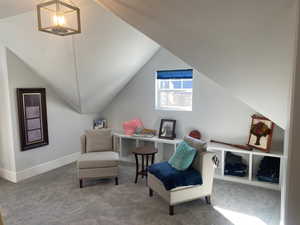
(172, 108)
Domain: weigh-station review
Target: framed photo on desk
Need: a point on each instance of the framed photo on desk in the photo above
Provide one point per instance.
(167, 129)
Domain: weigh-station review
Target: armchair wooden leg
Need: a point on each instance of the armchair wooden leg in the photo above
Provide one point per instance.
(171, 210)
(81, 183)
(117, 180)
(208, 200)
(150, 192)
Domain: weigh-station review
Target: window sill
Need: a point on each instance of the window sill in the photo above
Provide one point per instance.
(174, 109)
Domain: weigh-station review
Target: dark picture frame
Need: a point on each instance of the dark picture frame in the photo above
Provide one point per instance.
(33, 124)
(100, 124)
(167, 129)
(261, 132)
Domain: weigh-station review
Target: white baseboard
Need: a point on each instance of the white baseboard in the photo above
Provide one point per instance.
(8, 175)
(39, 169)
(45, 167)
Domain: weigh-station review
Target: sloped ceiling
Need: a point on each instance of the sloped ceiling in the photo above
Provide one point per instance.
(108, 56)
(86, 70)
(245, 46)
(10, 8)
(14, 7)
(50, 56)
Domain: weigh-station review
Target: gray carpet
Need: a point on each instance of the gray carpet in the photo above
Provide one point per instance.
(54, 198)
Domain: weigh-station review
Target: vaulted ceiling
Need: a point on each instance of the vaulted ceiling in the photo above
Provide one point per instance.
(86, 70)
(10, 8)
(14, 7)
(245, 46)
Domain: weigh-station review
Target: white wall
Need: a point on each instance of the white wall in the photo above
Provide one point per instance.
(82, 74)
(109, 52)
(292, 194)
(86, 70)
(50, 56)
(215, 112)
(64, 124)
(7, 159)
(245, 46)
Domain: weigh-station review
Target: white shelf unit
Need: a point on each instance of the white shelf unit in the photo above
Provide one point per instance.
(126, 143)
(252, 158)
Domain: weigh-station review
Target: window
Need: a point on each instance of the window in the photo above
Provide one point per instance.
(174, 90)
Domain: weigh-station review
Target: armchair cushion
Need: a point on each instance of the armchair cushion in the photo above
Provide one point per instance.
(183, 156)
(172, 178)
(98, 140)
(200, 146)
(98, 160)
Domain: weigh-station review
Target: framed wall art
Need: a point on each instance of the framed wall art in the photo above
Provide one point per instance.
(261, 132)
(32, 117)
(167, 129)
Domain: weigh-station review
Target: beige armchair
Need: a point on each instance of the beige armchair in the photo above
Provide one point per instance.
(1, 220)
(98, 158)
(204, 164)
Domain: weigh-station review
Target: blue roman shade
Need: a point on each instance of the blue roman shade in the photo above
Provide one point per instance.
(175, 74)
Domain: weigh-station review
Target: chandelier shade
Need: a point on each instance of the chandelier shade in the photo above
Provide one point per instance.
(59, 17)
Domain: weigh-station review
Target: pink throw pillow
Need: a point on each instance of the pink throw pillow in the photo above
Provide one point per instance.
(130, 126)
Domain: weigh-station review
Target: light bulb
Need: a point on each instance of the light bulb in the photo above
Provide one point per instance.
(59, 20)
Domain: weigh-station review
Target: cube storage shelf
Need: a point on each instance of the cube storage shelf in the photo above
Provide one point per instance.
(126, 143)
(251, 158)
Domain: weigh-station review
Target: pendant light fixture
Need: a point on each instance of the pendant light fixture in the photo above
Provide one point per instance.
(59, 17)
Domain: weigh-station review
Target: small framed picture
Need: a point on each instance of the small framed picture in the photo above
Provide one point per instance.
(100, 124)
(167, 129)
(32, 117)
(261, 132)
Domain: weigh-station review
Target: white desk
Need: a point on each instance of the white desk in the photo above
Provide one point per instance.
(125, 154)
